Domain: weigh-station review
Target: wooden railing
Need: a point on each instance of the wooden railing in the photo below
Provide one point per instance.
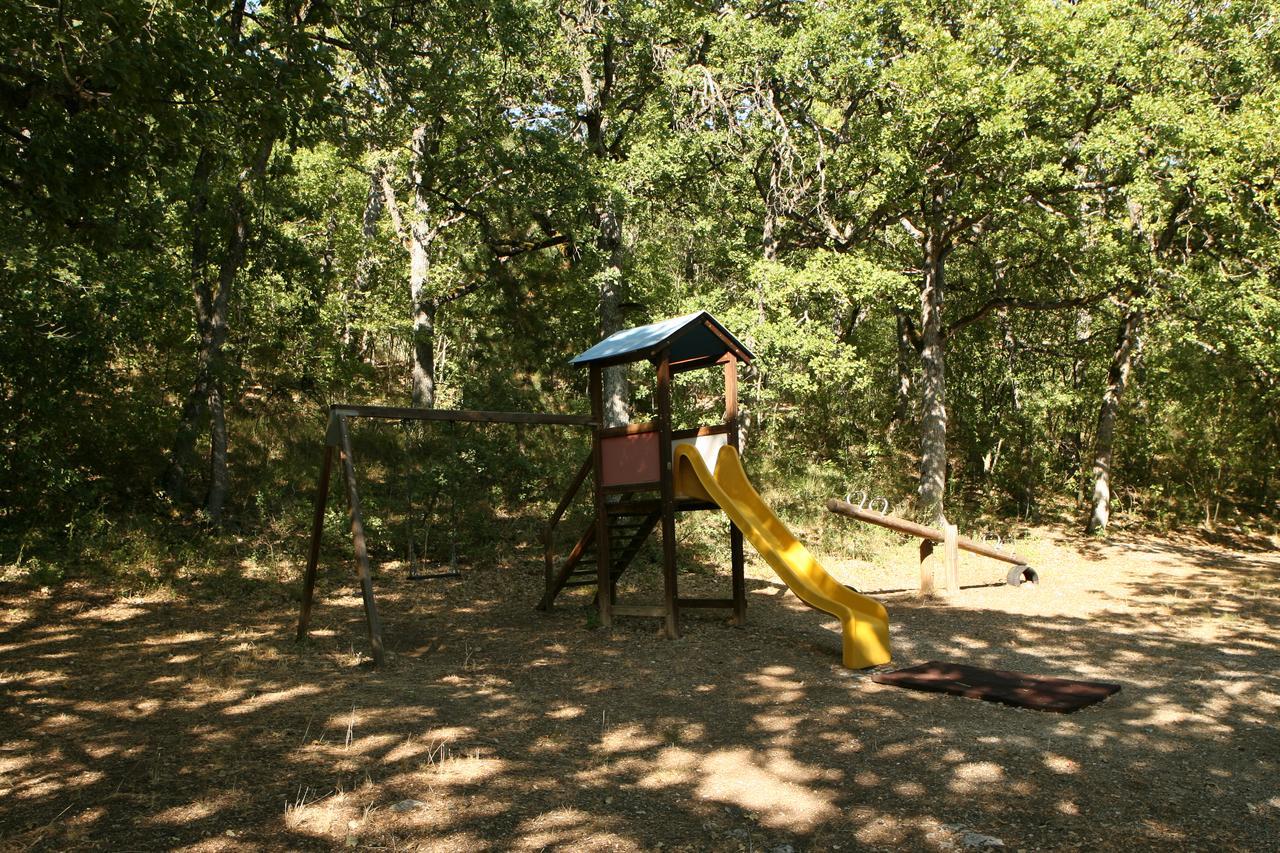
(952, 543)
(901, 525)
(549, 534)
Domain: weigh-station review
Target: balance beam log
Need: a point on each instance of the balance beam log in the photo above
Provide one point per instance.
(901, 525)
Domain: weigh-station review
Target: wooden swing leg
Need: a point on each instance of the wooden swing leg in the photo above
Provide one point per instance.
(317, 531)
(361, 549)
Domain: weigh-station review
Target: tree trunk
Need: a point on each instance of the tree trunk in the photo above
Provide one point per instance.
(182, 455)
(581, 29)
(421, 236)
(905, 361)
(232, 261)
(617, 390)
(353, 344)
(424, 347)
(769, 231)
(1117, 380)
(1079, 371)
(933, 432)
(212, 303)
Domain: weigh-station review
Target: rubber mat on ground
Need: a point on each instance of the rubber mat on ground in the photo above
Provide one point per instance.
(1039, 692)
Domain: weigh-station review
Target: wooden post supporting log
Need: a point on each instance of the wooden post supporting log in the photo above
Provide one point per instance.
(951, 556)
(926, 568)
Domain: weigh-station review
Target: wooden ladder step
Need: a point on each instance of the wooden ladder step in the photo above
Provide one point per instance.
(626, 538)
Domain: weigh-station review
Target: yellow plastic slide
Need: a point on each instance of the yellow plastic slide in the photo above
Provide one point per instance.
(863, 621)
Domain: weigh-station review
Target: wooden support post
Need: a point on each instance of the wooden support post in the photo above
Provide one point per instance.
(951, 556)
(669, 591)
(731, 394)
(926, 568)
(738, 559)
(604, 573)
(317, 531)
(737, 554)
(357, 538)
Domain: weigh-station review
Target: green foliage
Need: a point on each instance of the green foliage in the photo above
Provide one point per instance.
(760, 160)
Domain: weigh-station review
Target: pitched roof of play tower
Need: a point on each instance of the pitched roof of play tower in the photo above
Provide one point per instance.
(696, 340)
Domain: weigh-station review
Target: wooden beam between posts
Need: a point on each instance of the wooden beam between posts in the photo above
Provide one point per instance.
(647, 610)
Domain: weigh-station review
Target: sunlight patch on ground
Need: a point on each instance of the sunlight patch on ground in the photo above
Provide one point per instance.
(909, 789)
(272, 697)
(772, 788)
(551, 828)
(867, 779)
(673, 766)
(880, 832)
(566, 712)
(180, 637)
(1170, 716)
(975, 776)
(410, 749)
(200, 809)
(466, 766)
(110, 613)
(628, 738)
(776, 688)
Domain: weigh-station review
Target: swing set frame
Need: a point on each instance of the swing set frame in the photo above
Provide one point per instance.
(338, 441)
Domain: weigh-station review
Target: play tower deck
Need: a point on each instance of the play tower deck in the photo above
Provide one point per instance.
(634, 488)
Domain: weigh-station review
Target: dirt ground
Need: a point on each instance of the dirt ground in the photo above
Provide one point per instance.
(194, 722)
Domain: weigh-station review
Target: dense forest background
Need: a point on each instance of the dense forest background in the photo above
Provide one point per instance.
(1011, 259)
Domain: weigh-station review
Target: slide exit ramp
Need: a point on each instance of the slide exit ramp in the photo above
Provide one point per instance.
(864, 623)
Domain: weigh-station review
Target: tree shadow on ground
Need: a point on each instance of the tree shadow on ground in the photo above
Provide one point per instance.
(199, 724)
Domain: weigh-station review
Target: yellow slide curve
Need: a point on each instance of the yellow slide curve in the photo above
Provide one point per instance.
(864, 623)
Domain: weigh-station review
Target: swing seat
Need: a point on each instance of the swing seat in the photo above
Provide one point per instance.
(416, 575)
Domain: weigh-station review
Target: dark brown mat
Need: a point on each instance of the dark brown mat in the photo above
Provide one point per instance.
(1039, 692)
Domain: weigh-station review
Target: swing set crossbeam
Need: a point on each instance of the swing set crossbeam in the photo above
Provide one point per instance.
(400, 413)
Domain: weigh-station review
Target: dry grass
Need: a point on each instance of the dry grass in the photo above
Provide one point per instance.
(186, 722)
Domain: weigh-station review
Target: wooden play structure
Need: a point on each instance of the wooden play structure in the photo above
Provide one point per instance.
(952, 543)
(643, 476)
(633, 479)
(647, 474)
